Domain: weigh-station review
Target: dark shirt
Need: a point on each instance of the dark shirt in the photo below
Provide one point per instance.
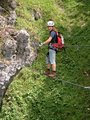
(53, 34)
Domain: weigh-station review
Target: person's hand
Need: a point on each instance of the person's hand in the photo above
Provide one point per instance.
(41, 44)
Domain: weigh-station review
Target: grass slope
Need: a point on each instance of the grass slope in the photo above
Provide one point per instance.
(33, 96)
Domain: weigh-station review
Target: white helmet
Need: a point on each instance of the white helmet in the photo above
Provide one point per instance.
(50, 23)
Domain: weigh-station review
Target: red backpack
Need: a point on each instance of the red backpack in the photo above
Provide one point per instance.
(60, 42)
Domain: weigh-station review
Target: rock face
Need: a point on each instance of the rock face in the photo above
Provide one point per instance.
(11, 19)
(2, 21)
(17, 48)
(2, 10)
(18, 51)
(12, 4)
(8, 7)
(36, 14)
(9, 48)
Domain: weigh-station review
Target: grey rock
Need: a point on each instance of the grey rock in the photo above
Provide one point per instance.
(13, 4)
(9, 48)
(22, 42)
(11, 19)
(21, 53)
(2, 10)
(2, 21)
(2, 65)
(36, 15)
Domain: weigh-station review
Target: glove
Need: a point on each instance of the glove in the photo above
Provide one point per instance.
(41, 44)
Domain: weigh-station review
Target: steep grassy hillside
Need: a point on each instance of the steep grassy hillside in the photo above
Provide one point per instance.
(33, 96)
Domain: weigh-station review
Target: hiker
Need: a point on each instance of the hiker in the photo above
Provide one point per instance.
(51, 55)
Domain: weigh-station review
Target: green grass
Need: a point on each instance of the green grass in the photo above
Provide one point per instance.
(33, 96)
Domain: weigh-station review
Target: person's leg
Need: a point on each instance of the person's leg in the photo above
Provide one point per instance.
(48, 65)
(52, 56)
(53, 67)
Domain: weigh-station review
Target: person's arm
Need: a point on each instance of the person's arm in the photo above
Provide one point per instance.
(48, 40)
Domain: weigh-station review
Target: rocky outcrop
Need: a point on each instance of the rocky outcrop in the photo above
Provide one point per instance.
(8, 7)
(12, 4)
(36, 14)
(2, 21)
(11, 19)
(18, 51)
(8, 4)
(16, 47)
(2, 10)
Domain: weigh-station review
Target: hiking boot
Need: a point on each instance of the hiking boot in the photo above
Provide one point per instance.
(47, 72)
(52, 74)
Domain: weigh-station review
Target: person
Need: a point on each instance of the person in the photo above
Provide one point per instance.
(51, 55)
